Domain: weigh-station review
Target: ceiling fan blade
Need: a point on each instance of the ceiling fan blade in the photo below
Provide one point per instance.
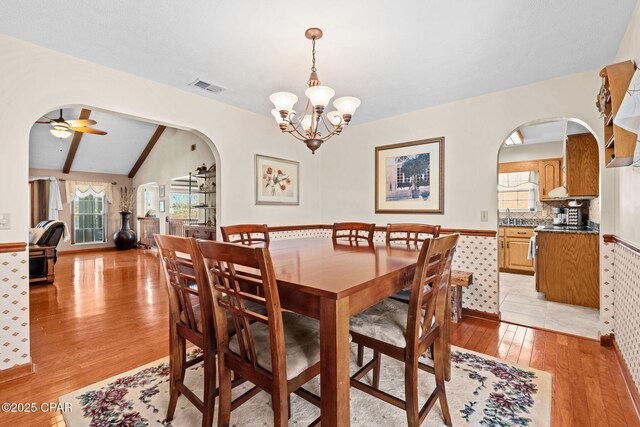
(81, 122)
(43, 123)
(88, 130)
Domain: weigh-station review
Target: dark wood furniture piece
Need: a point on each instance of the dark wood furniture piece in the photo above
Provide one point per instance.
(148, 227)
(331, 283)
(459, 280)
(406, 331)
(353, 231)
(278, 352)
(567, 267)
(41, 263)
(246, 234)
(200, 232)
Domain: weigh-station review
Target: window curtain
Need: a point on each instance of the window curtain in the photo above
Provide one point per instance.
(83, 188)
(46, 201)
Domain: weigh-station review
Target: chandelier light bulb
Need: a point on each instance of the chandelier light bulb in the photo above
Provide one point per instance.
(347, 105)
(306, 122)
(276, 115)
(283, 101)
(320, 96)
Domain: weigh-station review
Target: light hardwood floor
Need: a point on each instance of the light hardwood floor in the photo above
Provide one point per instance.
(107, 313)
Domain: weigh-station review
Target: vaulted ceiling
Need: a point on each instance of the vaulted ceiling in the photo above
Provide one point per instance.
(115, 153)
(396, 56)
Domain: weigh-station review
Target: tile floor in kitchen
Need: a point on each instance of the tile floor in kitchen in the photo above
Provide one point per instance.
(520, 303)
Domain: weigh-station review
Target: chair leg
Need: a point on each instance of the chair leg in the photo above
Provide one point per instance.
(411, 392)
(177, 368)
(360, 358)
(224, 393)
(209, 395)
(377, 357)
(280, 409)
(289, 406)
(439, 368)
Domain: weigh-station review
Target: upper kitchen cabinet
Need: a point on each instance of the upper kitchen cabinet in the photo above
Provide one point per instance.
(619, 143)
(550, 177)
(581, 163)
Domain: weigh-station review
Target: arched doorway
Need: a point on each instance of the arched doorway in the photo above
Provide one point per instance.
(549, 215)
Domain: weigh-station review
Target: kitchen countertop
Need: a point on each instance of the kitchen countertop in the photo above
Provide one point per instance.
(519, 225)
(565, 229)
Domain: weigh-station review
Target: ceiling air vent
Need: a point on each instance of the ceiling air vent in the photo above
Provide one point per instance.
(206, 86)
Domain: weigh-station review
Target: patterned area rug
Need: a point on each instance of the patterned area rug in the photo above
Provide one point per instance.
(483, 391)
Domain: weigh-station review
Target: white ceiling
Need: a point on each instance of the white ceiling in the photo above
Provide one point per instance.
(114, 153)
(396, 56)
(553, 131)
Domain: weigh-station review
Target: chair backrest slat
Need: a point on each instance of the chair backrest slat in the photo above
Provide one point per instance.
(353, 231)
(229, 269)
(246, 234)
(411, 233)
(176, 255)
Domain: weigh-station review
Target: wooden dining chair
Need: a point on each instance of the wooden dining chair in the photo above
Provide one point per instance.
(190, 318)
(246, 234)
(278, 352)
(353, 231)
(405, 332)
(410, 234)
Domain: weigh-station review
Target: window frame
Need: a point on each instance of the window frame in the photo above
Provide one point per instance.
(104, 213)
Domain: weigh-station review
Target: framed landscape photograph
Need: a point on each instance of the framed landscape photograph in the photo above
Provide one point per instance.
(410, 177)
(277, 181)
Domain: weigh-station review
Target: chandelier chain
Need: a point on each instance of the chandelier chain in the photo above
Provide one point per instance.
(313, 55)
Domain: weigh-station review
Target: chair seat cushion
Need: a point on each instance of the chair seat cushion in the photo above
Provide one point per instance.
(385, 321)
(301, 342)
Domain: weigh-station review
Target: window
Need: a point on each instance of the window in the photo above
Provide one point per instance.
(518, 191)
(89, 218)
(179, 205)
(148, 200)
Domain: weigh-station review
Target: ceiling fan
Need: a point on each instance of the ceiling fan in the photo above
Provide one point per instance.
(62, 128)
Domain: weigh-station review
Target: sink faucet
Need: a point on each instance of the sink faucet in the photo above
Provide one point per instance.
(508, 216)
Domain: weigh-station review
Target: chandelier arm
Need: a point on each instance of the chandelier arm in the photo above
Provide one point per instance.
(333, 127)
(295, 136)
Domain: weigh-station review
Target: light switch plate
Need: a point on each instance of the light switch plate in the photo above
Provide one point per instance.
(5, 221)
(484, 216)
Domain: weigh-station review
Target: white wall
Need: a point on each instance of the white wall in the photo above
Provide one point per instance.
(35, 80)
(474, 130)
(627, 201)
(171, 158)
(521, 153)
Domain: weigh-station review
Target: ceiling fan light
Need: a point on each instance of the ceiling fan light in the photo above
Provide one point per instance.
(347, 105)
(320, 96)
(60, 132)
(283, 101)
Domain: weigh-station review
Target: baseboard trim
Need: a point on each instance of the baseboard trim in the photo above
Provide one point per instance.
(514, 271)
(16, 372)
(468, 312)
(12, 247)
(628, 379)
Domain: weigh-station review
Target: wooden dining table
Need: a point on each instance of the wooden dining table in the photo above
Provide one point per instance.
(332, 281)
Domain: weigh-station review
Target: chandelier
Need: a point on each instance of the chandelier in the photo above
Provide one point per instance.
(313, 126)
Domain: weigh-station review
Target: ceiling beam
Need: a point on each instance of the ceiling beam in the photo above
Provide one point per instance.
(75, 143)
(147, 150)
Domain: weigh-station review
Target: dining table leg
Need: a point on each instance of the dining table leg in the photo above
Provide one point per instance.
(334, 362)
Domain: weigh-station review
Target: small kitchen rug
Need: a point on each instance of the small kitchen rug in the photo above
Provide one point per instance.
(483, 391)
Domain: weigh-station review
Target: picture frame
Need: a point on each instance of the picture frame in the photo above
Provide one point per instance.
(277, 181)
(409, 177)
(162, 206)
(161, 191)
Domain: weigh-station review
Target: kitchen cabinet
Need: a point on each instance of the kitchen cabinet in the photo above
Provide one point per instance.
(567, 267)
(514, 249)
(550, 171)
(582, 167)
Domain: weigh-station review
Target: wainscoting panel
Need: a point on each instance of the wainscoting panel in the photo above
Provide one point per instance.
(626, 307)
(14, 309)
(607, 288)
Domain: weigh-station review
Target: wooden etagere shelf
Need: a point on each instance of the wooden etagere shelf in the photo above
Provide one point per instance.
(619, 143)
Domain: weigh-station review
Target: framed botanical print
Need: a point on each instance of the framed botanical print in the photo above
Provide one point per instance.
(410, 177)
(277, 181)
